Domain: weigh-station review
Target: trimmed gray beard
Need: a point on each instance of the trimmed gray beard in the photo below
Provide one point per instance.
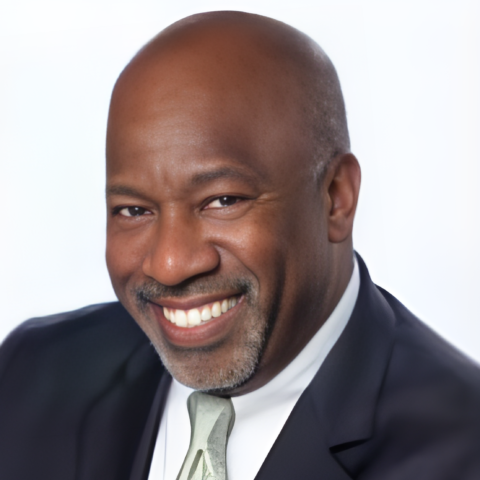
(241, 368)
(246, 357)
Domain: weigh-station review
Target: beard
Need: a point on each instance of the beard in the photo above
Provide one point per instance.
(195, 367)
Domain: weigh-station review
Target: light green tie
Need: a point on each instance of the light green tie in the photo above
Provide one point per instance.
(211, 419)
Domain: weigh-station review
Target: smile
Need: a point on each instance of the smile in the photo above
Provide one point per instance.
(201, 315)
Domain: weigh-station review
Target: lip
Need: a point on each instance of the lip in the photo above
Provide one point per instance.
(199, 336)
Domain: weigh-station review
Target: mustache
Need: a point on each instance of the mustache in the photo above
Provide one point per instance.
(152, 290)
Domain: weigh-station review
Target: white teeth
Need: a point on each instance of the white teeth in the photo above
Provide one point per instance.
(224, 306)
(196, 316)
(181, 318)
(206, 314)
(216, 309)
(193, 317)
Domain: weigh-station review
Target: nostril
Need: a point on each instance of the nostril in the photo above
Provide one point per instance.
(173, 266)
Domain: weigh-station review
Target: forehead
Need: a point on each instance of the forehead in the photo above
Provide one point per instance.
(197, 99)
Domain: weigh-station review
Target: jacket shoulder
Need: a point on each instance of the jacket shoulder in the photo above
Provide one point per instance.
(427, 356)
(428, 415)
(102, 333)
(74, 386)
(408, 402)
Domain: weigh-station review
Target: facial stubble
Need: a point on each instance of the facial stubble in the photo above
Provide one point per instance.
(191, 365)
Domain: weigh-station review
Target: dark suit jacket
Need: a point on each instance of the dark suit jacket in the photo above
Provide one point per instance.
(82, 393)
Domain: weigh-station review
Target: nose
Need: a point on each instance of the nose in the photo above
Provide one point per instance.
(179, 251)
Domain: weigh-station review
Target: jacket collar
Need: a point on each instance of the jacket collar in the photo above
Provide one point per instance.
(144, 454)
(355, 368)
(116, 425)
(336, 412)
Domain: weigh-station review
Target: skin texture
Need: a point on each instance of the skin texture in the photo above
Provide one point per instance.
(222, 180)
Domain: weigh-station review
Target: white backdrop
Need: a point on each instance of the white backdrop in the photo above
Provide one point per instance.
(410, 71)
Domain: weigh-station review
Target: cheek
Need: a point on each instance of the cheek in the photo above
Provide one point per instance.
(124, 258)
(285, 245)
(260, 245)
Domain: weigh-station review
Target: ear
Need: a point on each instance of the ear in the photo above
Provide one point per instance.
(342, 186)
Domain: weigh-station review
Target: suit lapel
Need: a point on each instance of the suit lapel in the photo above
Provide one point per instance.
(301, 451)
(335, 414)
(114, 423)
(144, 454)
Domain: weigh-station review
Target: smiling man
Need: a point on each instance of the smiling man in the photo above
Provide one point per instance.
(231, 195)
(219, 197)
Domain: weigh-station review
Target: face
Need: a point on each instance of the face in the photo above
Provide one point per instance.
(216, 239)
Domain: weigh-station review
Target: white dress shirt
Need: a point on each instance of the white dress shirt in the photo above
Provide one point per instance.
(259, 415)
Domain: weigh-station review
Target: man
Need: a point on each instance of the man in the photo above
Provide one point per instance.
(231, 194)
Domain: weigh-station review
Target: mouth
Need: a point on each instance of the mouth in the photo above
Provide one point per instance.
(201, 315)
(200, 322)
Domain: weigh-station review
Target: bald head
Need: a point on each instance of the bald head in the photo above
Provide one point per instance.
(220, 60)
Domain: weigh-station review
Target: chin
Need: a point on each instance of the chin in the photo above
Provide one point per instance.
(217, 368)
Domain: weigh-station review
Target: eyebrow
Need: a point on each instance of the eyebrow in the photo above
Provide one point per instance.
(224, 172)
(123, 190)
(198, 179)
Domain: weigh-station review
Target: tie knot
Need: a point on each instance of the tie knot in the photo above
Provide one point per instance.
(211, 420)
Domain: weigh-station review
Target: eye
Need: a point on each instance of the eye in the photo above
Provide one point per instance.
(132, 211)
(225, 201)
